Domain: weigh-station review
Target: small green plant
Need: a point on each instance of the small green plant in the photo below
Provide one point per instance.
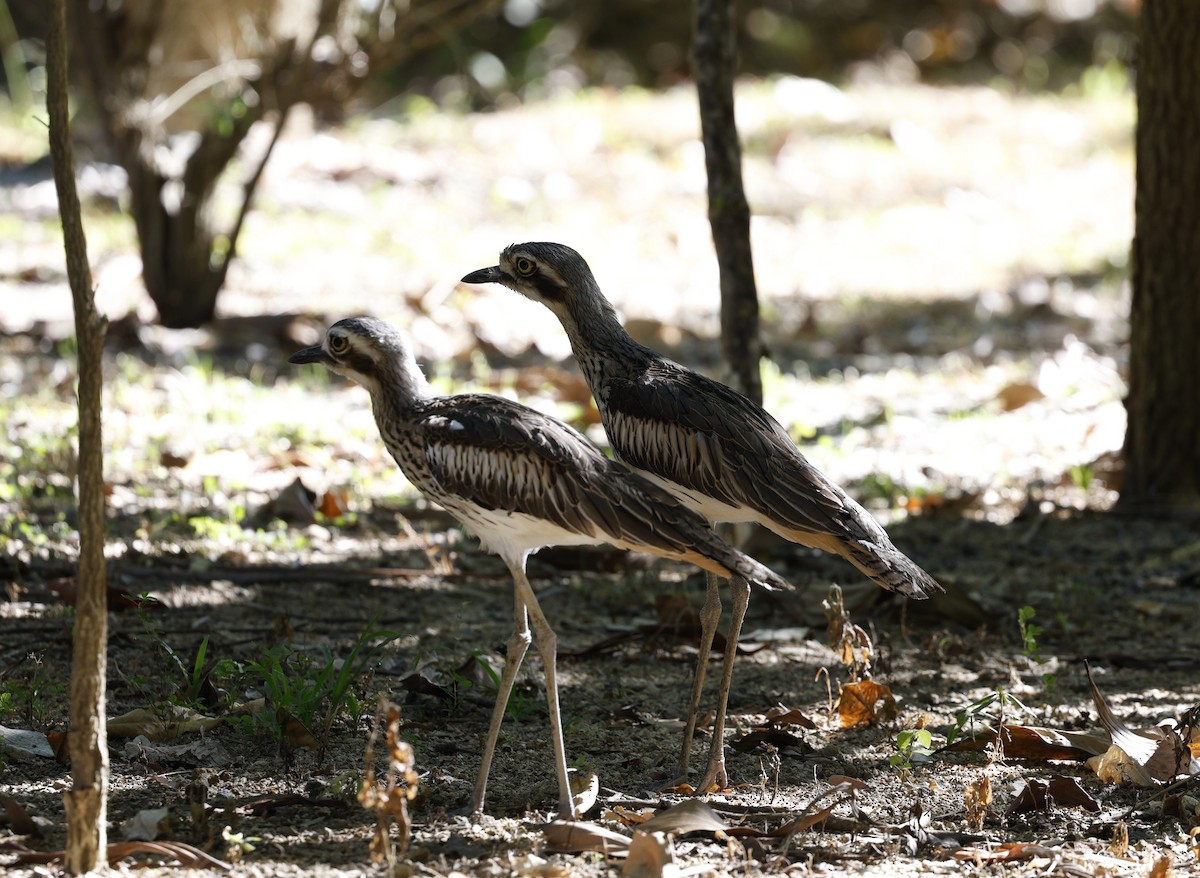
(518, 705)
(912, 746)
(1029, 632)
(302, 684)
(988, 712)
(1029, 644)
(1082, 475)
(28, 696)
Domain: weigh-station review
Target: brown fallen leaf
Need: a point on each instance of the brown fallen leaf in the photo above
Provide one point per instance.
(782, 716)
(1118, 767)
(160, 722)
(978, 798)
(1009, 852)
(1014, 396)
(1159, 750)
(117, 597)
(690, 815)
(581, 836)
(650, 856)
(1040, 795)
(865, 703)
(775, 737)
(19, 820)
(1034, 743)
(334, 504)
(390, 799)
(1161, 868)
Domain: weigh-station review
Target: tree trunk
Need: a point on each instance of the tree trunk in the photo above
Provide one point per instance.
(1162, 441)
(86, 802)
(714, 54)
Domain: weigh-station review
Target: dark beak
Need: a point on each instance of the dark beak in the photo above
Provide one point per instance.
(491, 275)
(311, 355)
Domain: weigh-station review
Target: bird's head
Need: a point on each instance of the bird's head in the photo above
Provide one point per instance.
(552, 274)
(370, 352)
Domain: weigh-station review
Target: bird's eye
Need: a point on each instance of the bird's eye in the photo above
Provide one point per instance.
(338, 344)
(524, 266)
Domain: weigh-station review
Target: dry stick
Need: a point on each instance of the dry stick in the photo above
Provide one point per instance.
(86, 802)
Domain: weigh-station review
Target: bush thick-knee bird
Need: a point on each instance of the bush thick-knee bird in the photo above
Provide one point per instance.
(717, 451)
(520, 480)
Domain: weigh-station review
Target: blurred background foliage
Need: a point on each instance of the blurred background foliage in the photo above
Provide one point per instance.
(525, 49)
(534, 47)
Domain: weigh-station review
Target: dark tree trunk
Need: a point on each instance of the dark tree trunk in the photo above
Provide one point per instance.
(177, 232)
(714, 55)
(1162, 442)
(186, 250)
(87, 743)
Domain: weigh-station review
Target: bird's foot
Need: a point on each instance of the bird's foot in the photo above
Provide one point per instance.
(715, 778)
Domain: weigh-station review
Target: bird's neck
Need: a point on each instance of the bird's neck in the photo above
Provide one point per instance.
(598, 339)
(404, 389)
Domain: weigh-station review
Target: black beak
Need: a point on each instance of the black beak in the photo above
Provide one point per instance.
(491, 275)
(311, 355)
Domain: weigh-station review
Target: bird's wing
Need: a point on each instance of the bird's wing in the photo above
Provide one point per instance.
(707, 437)
(502, 455)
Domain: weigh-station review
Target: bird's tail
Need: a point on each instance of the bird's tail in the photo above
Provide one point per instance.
(889, 568)
(738, 563)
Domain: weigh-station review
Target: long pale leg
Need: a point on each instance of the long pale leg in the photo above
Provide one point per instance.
(547, 644)
(715, 774)
(518, 645)
(710, 616)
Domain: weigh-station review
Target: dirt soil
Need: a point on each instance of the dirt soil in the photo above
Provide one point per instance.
(945, 303)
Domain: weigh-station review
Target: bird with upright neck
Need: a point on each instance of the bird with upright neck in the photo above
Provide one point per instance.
(721, 454)
(520, 480)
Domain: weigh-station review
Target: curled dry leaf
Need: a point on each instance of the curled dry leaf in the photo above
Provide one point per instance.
(782, 716)
(865, 703)
(690, 815)
(650, 856)
(1041, 795)
(1006, 853)
(978, 798)
(775, 737)
(184, 854)
(585, 787)
(147, 824)
(19, 820)
(1034, 743)
(160, 722)
(1116, 766)
(579, 836)
(389, 799)
(334, 504)
(1160, 750)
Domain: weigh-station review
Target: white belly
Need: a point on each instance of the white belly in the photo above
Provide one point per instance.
(515, 534)
(710, 509)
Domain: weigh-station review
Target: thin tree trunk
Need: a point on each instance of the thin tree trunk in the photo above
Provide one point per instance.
(714, 54)
(1162, 441)
(86, 802)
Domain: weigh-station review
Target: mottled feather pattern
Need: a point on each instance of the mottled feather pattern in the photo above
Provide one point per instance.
(719, 452)
(499, 455)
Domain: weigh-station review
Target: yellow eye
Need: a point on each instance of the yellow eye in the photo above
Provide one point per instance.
(338, 344)
(524, 266)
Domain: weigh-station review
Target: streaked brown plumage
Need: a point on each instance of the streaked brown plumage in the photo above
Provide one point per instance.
(719, 453)
(520, 480)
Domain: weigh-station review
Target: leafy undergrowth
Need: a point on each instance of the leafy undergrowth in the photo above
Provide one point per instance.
(945, 303)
